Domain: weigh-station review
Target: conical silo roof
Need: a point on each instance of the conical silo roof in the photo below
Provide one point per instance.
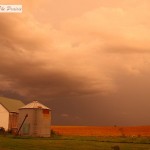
(35, 105)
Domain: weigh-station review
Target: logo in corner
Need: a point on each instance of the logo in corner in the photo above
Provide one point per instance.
(10, 8)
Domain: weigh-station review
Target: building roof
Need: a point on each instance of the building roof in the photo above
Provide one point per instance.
(34, 105)
(12, 105)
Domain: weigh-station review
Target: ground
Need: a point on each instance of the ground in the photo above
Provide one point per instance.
(82, 138)
(73, 143)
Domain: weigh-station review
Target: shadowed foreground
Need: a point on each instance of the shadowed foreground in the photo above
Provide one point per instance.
(73, 143)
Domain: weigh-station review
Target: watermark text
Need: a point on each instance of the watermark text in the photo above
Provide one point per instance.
(10, 8)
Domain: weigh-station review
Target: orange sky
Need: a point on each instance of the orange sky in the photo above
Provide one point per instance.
(78, 56)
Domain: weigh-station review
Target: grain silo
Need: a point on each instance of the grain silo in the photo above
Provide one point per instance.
(35, 120)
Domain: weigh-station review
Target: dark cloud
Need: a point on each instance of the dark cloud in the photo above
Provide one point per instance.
(129, 106)
(28, 67)
(23, 73)
(30, 78)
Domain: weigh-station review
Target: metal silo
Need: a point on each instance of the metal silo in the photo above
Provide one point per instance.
(34, 120)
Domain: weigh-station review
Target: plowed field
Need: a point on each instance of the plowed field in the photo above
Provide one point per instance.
(102, 131)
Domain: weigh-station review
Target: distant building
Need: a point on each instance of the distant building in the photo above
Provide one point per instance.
(9, 113)
(35, 119)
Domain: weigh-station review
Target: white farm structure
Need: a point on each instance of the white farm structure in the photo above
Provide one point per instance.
(9, 113)
(35, 120)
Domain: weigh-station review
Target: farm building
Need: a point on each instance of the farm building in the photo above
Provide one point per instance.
(35, 119)
(9, 113)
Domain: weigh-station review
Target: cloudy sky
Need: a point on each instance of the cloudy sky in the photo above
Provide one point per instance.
(88, 60)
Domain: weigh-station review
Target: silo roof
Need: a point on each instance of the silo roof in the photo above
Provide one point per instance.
(34, 105)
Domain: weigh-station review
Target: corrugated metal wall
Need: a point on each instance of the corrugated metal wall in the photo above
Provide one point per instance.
(13, 121)
(37, 123)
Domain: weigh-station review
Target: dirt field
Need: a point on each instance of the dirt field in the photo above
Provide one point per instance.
(102, 131)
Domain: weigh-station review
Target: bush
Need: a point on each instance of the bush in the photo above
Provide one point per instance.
(2, 131)
(54, 133)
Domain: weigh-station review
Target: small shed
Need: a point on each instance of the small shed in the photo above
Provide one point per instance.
(9, 113)
(36, 118)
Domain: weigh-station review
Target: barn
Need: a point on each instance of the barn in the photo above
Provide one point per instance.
(9, 113)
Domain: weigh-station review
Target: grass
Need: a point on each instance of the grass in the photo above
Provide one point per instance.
(73, 143)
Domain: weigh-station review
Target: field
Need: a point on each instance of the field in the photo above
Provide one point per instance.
(82, 138)
(102, 131)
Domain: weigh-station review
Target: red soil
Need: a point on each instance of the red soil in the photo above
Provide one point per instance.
(102, 131)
